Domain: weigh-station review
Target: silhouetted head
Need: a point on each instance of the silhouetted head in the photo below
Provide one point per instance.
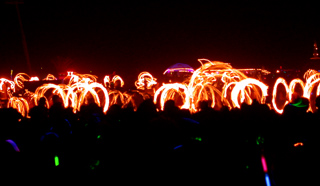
(169, 104)
(295, 97)
(170, 108)
(204, 105)
(42, 101)
(114, 109)
(147, 107)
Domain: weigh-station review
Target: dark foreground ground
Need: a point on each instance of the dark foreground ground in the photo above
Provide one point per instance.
(170, 147)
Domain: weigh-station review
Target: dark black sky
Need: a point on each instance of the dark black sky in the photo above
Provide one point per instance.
(107, 36)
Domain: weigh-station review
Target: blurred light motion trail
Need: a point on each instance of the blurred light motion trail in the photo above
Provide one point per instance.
(217, 82)
(214, 81)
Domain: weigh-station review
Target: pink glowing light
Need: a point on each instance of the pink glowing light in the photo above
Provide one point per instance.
(264, 164)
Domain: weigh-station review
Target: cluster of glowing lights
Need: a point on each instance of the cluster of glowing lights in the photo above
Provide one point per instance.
(215, 81)
(312, 81)
(76, 94)
(76, 90)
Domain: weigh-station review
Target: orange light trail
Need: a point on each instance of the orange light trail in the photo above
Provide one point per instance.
(298, 144)
(274, 94)
(11, 87)
(50, 77)
(19, 103)
(145, 80)
(106, 80)
(214, 81)
(169, 91)
(312, 80)
(239, 89)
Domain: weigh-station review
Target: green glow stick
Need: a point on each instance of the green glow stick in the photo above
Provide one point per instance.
(56, 160)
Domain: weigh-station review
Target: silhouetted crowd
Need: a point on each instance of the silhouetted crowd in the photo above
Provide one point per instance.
(222, 147)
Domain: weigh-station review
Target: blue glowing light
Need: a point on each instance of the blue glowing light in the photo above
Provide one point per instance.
(48, 133)
(191, 120)
(267, 179)
(179, 146)
(13, 144)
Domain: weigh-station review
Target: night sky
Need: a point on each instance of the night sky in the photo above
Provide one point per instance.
(106, 36)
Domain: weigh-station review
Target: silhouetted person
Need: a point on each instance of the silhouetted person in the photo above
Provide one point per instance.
(147, 110)
(39, 114)
(170, 109)
(57, 118)
(57, 108)
(297, 107)
(9, 141)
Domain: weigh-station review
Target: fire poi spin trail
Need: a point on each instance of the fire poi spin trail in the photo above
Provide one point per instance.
(312, 79)
(214, 81)
(217, 82)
